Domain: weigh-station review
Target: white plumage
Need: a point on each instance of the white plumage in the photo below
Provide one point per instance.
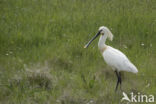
(113, 57)
(118, 61)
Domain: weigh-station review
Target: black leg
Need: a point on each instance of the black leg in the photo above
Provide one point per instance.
(117, 81)
(120, 80)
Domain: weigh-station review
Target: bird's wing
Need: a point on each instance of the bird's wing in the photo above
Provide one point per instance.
(118, 60)
(130, 66)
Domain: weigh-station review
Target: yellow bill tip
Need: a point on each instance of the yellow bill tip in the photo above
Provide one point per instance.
(85, 46)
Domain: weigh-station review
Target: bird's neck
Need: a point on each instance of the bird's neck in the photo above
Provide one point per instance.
(101, 44)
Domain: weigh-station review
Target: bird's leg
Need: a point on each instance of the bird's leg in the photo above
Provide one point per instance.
(117, 80)
(120, 80)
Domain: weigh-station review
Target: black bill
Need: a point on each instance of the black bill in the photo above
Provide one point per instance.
(92, 39)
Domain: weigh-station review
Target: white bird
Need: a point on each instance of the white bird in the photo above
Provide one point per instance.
(113, 57)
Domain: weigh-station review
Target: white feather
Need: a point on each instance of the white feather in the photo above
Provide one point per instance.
(106, 32)
(117, 60)
(113, 57)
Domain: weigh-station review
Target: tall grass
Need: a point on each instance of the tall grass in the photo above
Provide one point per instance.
(52, 33)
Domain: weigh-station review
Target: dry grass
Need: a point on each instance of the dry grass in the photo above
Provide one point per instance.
(36, 76)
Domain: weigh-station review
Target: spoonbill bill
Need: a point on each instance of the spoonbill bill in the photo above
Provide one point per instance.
(113, 57)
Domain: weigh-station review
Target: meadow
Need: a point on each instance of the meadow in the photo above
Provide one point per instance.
(42, 59)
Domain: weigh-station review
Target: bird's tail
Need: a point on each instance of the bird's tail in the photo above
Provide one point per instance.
(133, 68)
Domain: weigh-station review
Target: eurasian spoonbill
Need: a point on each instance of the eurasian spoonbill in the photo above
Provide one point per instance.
(113, 57)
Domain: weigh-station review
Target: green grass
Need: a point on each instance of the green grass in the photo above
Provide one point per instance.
(42, 59)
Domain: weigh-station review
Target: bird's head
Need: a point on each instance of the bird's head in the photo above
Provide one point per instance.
(102, 31)
(105, 31)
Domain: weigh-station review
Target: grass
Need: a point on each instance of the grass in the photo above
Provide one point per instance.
(42, 59)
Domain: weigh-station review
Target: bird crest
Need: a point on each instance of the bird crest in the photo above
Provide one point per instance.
(107, 32)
